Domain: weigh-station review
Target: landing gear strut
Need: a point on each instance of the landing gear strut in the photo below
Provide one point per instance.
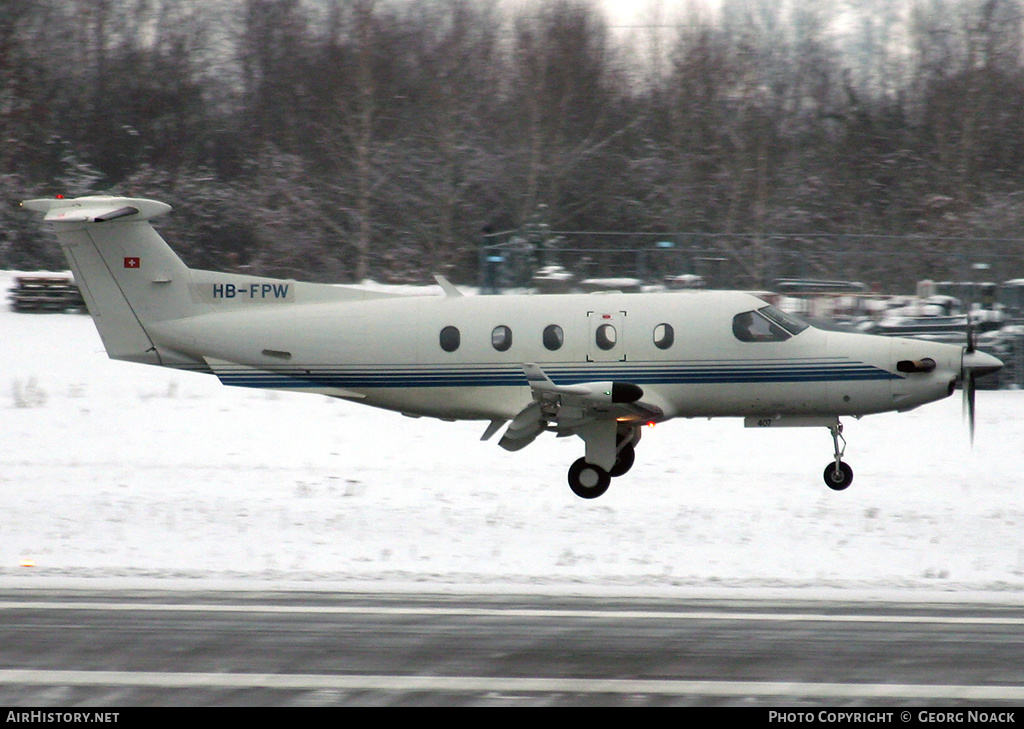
(838, 475)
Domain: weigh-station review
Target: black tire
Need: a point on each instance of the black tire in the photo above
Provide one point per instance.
(837, 480)
(587, 480)
(623, 462)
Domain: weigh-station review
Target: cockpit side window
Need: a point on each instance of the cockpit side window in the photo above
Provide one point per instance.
(766, 325)
(790, 323)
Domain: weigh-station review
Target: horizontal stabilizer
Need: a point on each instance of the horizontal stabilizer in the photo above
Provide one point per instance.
(97, 209)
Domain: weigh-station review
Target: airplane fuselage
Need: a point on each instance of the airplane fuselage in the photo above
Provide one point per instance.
(393, 353)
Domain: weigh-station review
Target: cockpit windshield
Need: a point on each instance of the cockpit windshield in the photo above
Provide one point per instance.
(767, 324)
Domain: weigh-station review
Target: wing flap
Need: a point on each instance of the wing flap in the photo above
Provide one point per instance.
(524, 428)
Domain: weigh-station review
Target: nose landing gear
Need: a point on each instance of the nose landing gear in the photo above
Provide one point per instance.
(838, 475)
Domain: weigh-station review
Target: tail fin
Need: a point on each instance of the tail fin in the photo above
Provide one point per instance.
(130, 278)
(128, 275)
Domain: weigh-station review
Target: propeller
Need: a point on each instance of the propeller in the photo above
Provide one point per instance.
(974, 364)
(967, 375)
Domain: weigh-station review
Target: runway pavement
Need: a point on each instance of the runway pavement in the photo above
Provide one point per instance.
(67, 648)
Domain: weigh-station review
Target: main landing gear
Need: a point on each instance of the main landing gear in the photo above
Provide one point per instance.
(588, 480)
(838, 474)
(590, 476)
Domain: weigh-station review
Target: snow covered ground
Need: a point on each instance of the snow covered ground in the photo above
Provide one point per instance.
(122, 475)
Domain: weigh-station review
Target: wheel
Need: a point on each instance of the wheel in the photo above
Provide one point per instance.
(588, 481)
(838, 479)
(623, 462)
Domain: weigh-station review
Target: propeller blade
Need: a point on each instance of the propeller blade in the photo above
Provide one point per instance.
(974, 364)
(969, 389)
(967, 376)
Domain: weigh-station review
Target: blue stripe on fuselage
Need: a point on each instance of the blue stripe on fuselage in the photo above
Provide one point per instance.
(513, 376)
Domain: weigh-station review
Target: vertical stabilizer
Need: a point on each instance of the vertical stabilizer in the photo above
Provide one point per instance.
(128, 275)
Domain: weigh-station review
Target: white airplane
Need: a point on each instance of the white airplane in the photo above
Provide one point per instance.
(596, 366)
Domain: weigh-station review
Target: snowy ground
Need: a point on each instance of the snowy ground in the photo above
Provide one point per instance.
(127, 475)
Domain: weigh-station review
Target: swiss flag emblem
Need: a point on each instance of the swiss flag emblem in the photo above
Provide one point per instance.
(132, 262)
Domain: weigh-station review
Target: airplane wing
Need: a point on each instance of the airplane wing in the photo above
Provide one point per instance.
(570, 409)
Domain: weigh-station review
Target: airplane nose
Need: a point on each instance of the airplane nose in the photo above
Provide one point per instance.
(980, 364)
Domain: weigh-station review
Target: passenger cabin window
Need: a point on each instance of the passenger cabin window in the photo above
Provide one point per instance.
(553, 337)
(501, 338)
(605, 337)
(664, 336)
(450, 339)
(766, 325)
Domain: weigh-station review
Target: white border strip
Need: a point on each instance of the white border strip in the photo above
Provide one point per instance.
(472, 684)
(429, 610)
